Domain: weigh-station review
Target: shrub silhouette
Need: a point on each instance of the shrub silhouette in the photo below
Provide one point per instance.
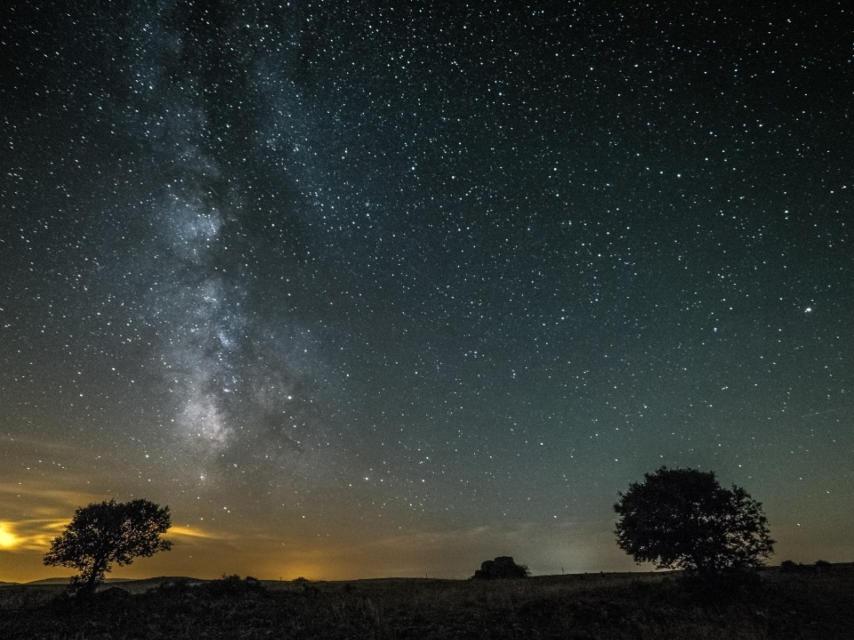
(823, 566)
(820, 566)
(105, 533)
(684, 519)
(232, 586)
(501, 567)
(788, 566)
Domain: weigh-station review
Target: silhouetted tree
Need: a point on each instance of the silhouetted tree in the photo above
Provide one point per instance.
(501, 567)
(683, 518)
(105, 533)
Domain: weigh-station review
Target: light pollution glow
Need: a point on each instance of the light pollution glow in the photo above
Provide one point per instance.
(211, 552)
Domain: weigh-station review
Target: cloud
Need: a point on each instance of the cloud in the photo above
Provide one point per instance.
(8, 539)
(36, 534)
(34, 498)
(29, 535)
(196, 532)
(33, 445)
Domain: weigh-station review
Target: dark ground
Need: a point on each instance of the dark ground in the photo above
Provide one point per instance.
(637, 606)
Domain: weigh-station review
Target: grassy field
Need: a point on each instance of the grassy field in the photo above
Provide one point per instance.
(589, 606)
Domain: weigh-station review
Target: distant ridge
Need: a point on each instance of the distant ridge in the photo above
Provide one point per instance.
(157, 580)
(67, 580)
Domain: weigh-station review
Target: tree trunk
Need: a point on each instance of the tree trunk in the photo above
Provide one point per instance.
(88, 581)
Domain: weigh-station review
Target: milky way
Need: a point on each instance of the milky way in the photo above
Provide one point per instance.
(233, 375)
(369, 289)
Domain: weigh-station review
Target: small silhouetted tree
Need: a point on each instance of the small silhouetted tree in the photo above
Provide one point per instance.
(788, 566)
(107, 533)
(501, 567)
(684, 519)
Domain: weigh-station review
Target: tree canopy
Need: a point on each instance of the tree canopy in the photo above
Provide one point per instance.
(501, 567)
(684, 519)
(106, 533)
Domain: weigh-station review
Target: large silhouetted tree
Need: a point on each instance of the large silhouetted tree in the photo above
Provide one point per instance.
(107, 533)
(684, 519)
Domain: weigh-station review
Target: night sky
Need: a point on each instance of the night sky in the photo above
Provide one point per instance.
(368, 289)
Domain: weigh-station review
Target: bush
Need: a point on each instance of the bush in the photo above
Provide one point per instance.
(500, 568)
(820, 566)
(788, 566)
(233, 586)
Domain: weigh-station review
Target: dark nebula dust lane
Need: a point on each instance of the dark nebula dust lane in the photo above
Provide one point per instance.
(363, 288)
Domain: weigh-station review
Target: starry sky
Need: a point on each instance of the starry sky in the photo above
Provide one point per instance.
(378, 288)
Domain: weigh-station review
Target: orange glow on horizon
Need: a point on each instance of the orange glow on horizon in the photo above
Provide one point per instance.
(8, 539)
(210, 550)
